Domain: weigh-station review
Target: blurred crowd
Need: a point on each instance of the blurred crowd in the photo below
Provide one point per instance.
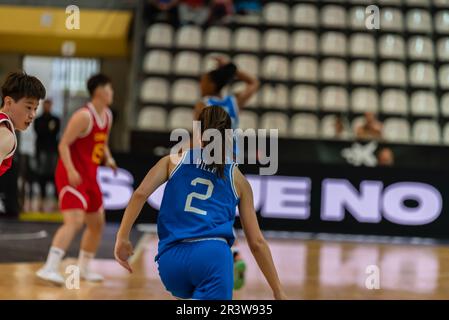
(199, 12)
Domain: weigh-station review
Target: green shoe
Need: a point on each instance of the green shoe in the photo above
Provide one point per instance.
(239, 274)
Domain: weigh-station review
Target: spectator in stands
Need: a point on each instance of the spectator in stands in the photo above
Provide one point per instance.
(47, 128)
(341, 129)
(194, 11)
(371, 129)
(220, 12)
(155, 7)
(385, 157)
(245, 7)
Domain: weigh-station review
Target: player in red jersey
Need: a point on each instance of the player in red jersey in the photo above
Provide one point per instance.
(83, 147)
(20, 98)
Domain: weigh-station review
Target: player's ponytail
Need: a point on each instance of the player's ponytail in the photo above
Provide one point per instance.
(223, 76)
(215, 117)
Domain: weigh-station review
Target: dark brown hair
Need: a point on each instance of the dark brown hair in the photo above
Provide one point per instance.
(222, 76)
(97, 80)
(215, 117)
(19, 85)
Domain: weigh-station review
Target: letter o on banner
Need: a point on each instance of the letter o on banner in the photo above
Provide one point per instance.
(428, 198)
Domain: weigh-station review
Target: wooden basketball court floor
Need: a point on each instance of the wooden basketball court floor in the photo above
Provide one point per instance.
(308, 269)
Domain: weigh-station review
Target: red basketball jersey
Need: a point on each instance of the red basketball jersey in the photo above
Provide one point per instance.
(87, 152)
(7, 162)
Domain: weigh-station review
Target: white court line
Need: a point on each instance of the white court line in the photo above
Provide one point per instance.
(141, 245)
(24, 236)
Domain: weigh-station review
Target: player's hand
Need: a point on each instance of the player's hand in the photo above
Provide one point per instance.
(280, 296)
(111, 164)
(221, 60)
(74, 178)
(123, 250)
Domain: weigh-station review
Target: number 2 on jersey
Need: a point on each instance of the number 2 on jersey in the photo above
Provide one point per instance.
(210, 187)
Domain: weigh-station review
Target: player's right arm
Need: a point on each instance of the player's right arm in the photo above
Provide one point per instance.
(158, 174)
(256, 241)
(251, 87)
(77, 126)
(6, 142)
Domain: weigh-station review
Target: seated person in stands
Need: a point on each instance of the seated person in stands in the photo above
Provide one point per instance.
(371, 129)
(194, 12)
(385, 157)
(220, 12)
(245, 7)
(155, 7)
(341, 129)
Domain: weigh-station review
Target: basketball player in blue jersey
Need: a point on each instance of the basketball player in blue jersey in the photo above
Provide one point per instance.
(212, 83)
(211, 86)
(195, 221)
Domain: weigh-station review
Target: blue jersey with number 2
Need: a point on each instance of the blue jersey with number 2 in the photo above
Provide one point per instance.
(197, 203)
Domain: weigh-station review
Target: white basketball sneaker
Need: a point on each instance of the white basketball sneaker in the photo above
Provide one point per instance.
(51, 276)
(91, 276)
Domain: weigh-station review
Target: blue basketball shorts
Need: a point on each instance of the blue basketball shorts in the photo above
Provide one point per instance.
(199, 269)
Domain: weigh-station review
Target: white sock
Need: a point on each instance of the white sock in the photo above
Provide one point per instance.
(84, 260)
(54, 259)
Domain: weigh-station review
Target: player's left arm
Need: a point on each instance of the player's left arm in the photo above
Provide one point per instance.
(155, 178)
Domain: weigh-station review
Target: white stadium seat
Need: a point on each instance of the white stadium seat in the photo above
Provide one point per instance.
(275, 120)
(275, 40)
(275, 67)
(333, 16)
(362, 45)
(247, 39)
(426, 132)
(248, 120)
(305, 42)
(154, 90)
(393, 73)
(181, 118)
(185, 92)
(276, 13)
(422, 75)
(363, 100)
(391, 46)
(274, 96)
(391, 19)
(189, 37)
(442, 21)
(187, 63)
(334, 99)
(363, 72)
(396, 130)
(394, 101)
(304, 97)
(152, 118)
(157, 61)
(334, 70)
(305, 15)
(305, 69)
(419, 20)
(420, 47)
(304, 125)
(217, 38)
(160, 35)
(424, 103)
